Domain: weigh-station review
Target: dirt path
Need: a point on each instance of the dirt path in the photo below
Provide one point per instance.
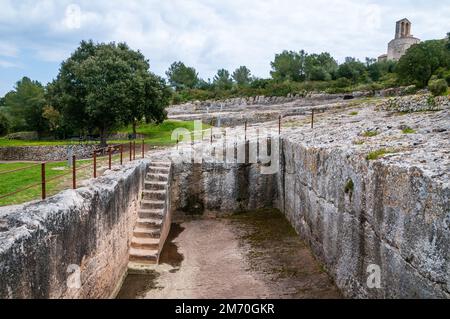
(237, 257)
(212, 267)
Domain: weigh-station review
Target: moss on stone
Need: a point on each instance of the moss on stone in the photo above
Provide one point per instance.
(370, 133)
(408, 130)
(349, 186)
(378, 153)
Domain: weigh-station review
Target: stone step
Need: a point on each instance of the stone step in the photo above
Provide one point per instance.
(161, 164)
(149, 222)
(146, 232)
(151, 213)
(154, 194)
(143, 255)
(157, 177)
(143, 242)
(154, 185)
(152, 204)
(158, 170)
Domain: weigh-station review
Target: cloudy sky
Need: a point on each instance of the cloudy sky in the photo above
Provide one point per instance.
(35, 36)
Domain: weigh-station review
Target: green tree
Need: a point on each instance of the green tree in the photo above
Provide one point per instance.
(222, 80)
(242, 76)
(24, 106)
(53, 118)
(205, 85)
(181, 76)
(448, 41)
(4, 124)
(289, 65)
(103, 86)
(421, 61)
(352, 69)
(320, 67)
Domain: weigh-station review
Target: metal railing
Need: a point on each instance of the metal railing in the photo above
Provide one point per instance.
(105, 153)
(98, 155)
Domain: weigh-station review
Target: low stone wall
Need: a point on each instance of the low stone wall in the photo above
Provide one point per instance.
(415, 103)
(45, 245)
(244, 103)
(44, 153)
(355, 213)
(306, 99)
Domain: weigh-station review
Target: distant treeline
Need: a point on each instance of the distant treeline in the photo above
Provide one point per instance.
(105, 86)
(300, 72)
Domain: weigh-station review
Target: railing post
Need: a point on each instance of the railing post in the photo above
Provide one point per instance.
(131, 151)
(109, 157)
(74, 173)
(245, 131)
(312, 118)
(279, 125)
(95, 164)
(211, 131)
(43, 179)
(121, 154)
(143, 148)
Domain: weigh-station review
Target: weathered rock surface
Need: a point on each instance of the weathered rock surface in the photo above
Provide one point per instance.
(416, 103)
(44, 153)
(219, 187)
(364, 186)
(392, 212)
(88, 229)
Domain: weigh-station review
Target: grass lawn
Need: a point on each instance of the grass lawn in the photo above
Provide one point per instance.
(155, 135)
(158, 135)
(13, 181)
(6, 142)
(161, 134)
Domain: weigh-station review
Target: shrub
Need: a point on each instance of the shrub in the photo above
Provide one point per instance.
(447, 77)
(438, 87)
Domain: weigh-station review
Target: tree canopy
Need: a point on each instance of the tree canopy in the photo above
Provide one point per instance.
(23, 106)
(4, 124)
(242, 76)
(102, 86)
(181, 76)
(222, 80)
(352, 69)
(422, 60)
(289, 65)
(320, 67)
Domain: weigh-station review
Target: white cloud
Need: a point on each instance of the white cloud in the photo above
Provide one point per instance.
(208, 34)
(52, 54)
(8, 49)
(8, 64)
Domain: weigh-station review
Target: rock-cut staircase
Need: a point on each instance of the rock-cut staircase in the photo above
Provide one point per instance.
(147, 241)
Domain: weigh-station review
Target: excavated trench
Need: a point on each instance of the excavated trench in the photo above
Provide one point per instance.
(253, 254)
(240, 233)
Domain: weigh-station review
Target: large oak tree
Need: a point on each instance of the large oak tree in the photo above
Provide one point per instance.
(103, 86)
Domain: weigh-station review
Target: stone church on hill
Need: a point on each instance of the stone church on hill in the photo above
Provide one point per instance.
(401, 43)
